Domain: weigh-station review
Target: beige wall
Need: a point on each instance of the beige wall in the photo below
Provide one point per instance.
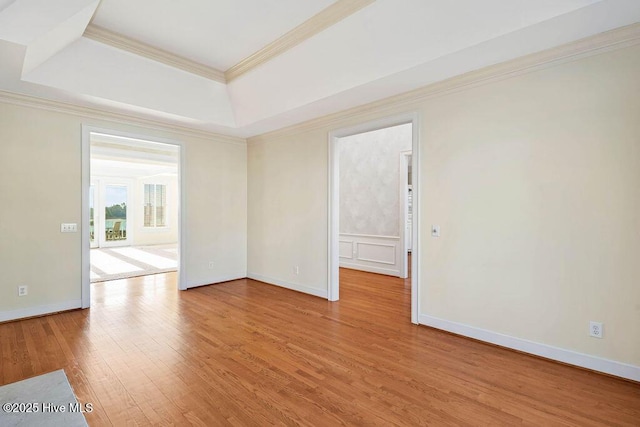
(40, 187)
(288, 211)
(534, 181)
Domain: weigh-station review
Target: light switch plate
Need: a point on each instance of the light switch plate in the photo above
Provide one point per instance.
(68, 227)
(435, 231)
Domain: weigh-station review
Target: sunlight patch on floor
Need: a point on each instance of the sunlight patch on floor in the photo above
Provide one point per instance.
(128, 261)
(146, 257)
(110, 264)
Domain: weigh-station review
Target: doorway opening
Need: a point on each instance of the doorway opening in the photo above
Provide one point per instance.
(132, 200)
(373, 172)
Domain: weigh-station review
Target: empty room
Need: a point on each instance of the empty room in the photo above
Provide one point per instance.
(181, 242)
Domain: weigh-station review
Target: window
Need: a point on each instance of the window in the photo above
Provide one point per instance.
(155, 202)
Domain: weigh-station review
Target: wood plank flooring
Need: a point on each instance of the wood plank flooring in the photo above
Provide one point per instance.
(245, 353)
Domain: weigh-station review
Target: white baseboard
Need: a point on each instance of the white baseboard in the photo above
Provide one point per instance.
(607, 366)
(322, 293)
(370, 269)
(40, 310)
(218, 279)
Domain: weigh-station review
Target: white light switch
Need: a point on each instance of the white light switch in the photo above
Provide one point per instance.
(435, 231)
(68, 227)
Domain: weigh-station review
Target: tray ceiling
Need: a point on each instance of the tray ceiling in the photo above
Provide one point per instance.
(215, 33)
(244, 67)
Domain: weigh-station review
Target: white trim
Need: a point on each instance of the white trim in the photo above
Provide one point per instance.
(403, 205)
(217, 280)
(333, 229)
(40, 310)
(354, 259)
(351, 250)
(182, 219)
(86, 182)
(322, 293)
(129, 119)
(370, 269)
(376, 260)
(373, 236)
(102, 35)
(599, 364)
(415, 237)
(333, 202)
(324, 19)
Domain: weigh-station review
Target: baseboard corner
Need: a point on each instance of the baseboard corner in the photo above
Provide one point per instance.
(322, 293)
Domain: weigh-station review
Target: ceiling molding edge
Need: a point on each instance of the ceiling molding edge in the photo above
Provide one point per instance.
(309, 28)
(590, 46)
(119, 41)
(120, 118)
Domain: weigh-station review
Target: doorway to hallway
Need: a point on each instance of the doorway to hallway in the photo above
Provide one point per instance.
(384, 249)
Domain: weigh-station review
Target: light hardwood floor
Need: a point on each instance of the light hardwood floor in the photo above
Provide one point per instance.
(246, 353)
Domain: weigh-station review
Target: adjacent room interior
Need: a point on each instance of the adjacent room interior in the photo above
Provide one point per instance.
(134, 203)
(374, 209)
(373, 191)
(188, 158)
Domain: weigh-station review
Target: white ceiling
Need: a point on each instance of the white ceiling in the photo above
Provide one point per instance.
(216, 33)
(385, 48)
(129, 169)
(113, 156)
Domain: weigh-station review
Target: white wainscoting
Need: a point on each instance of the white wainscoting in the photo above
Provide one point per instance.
(376, 254)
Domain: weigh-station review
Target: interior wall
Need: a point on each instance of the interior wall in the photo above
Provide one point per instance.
(534, 182)
(370, 199)
(40, 185)
(287, 193)
(370, 180)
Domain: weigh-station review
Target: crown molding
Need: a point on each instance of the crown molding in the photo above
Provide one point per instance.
(119, 41)
(601, 43)
(590, 46)
(125, 119)
(309, 28)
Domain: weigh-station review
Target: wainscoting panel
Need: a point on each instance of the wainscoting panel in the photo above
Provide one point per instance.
(376, 254)
(347, 248)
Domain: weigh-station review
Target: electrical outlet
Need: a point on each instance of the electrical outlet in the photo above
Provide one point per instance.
(23, 291)
(211, 264)
(296, 270)
(595, 329)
